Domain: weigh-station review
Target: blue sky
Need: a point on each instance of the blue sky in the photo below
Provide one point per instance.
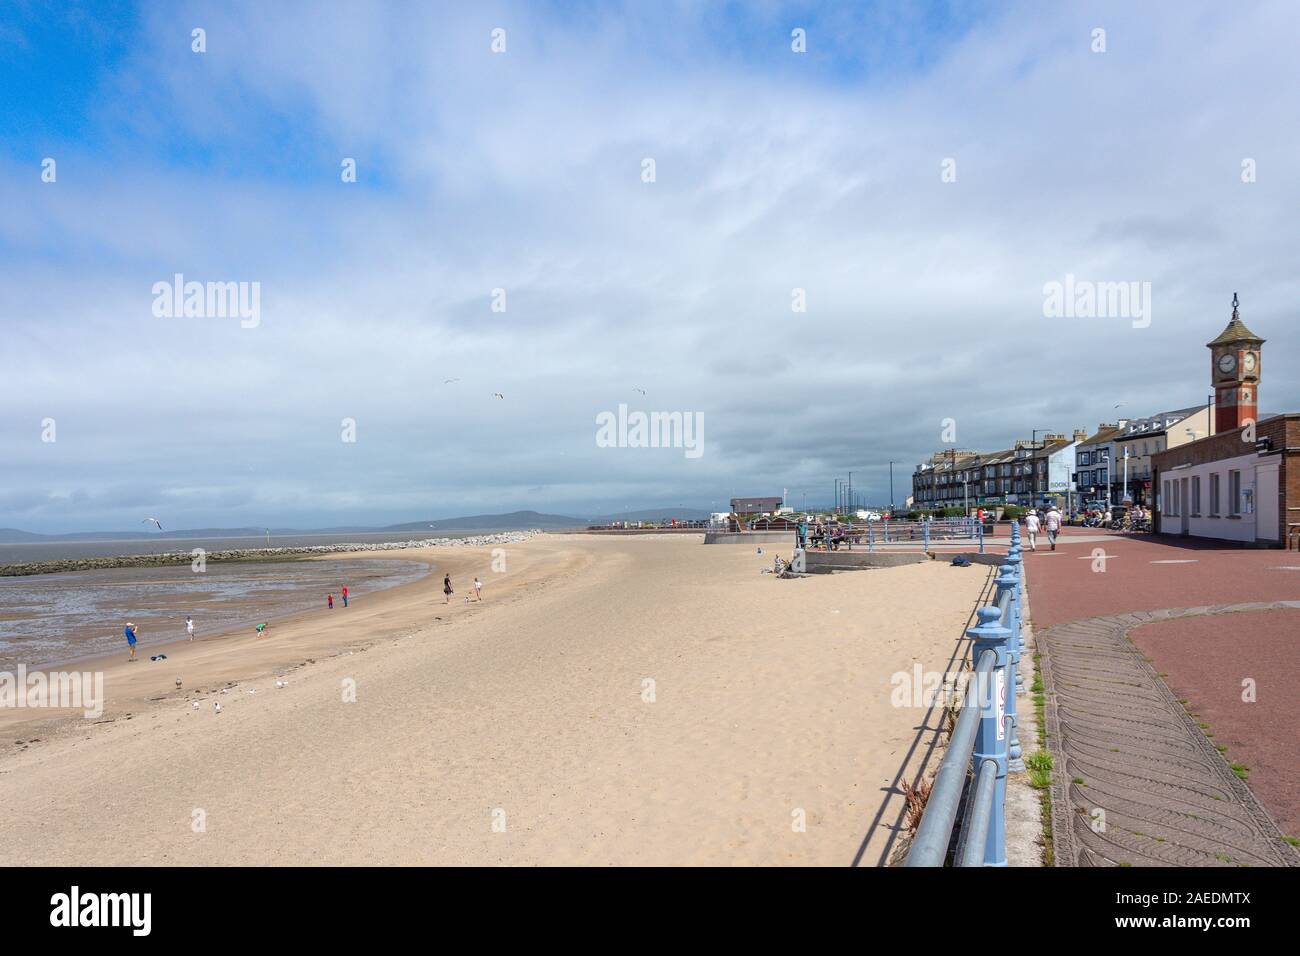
(522, 171)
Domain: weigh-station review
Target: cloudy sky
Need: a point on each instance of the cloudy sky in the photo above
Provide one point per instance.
(921, 172)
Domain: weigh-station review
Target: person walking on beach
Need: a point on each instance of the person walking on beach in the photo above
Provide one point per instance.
(1031, 529)
(261, 629)
(189, 626)
(130, 639)
(478, 590)
(446, 588)
(345, 595)
(1053, 523)
(329, 600)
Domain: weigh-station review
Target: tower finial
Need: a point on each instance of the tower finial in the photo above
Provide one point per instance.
(1235, 317)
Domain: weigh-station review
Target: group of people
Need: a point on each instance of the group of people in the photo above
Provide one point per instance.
(1049, 522)
(1134, 518)
(825, 536)
(132, 632)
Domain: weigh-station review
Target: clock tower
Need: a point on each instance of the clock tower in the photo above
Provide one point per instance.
(1234, 373)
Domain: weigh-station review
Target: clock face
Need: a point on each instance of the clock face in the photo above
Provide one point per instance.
(1227, 362)
(1250, 361)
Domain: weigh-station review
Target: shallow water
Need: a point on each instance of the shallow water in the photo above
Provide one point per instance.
(163, 544)
(56, 618)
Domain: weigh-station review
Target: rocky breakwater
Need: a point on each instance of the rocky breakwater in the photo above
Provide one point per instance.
(254, 554)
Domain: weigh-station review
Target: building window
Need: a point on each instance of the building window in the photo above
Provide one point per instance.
(1196, 495)
(1102, 476)
(1214, 495)
(1171, 507)
(1234, 492)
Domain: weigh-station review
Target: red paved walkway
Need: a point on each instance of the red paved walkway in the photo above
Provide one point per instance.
(1204, 658)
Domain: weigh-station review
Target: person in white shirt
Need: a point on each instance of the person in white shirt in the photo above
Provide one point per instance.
(189, 626)
(1031, 529)
(478, 589)
(1053, 524)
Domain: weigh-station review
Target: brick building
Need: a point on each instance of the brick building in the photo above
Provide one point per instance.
(1242, 483)
(1232, 488)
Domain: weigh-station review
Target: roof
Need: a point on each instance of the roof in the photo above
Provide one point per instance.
(1103, 435)
(1155, 423)
(1235, 331)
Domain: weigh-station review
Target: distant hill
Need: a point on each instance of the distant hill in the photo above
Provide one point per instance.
(514, 521)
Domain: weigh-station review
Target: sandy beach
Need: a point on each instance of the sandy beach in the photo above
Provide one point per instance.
(613, 700)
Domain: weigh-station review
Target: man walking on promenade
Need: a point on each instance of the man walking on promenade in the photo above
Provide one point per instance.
(1031, 529)
(1053, 522)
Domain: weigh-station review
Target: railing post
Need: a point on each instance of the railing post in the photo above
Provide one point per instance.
(1016, 560)
(871, 536)
(981, 534)
(925, 527)
(1008, 586)
(991, 737)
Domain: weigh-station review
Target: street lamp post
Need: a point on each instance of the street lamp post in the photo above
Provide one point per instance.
(1126, 454)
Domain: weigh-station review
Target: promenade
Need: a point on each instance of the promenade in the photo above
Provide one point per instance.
(1170, 667)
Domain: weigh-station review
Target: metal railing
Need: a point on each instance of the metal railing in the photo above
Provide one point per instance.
(985, 742)
(924, 533)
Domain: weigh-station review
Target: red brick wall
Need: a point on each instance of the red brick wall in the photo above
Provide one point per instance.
(1284, 430)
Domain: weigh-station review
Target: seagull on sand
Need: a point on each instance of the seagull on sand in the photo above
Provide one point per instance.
(153, 521)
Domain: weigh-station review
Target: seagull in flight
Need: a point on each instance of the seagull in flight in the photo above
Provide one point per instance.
(641, 390)
(153, 521)
(448, 381)
(497, 395)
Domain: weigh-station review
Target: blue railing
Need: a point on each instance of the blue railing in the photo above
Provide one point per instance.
(924, 532)
(985, 742)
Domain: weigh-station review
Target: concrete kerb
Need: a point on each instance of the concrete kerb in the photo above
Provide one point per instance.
(1025, 844)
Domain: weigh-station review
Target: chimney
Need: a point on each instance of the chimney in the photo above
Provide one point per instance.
(1080, 435)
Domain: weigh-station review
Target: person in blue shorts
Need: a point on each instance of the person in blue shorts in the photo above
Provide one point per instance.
(130, 639)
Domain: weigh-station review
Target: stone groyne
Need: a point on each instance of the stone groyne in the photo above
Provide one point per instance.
(253, 554)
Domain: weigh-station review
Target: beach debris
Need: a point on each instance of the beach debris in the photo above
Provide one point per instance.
(153, 521)
(196, 705)
(253, 691)
(225, 690)
(282, 683)
(158, 657)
